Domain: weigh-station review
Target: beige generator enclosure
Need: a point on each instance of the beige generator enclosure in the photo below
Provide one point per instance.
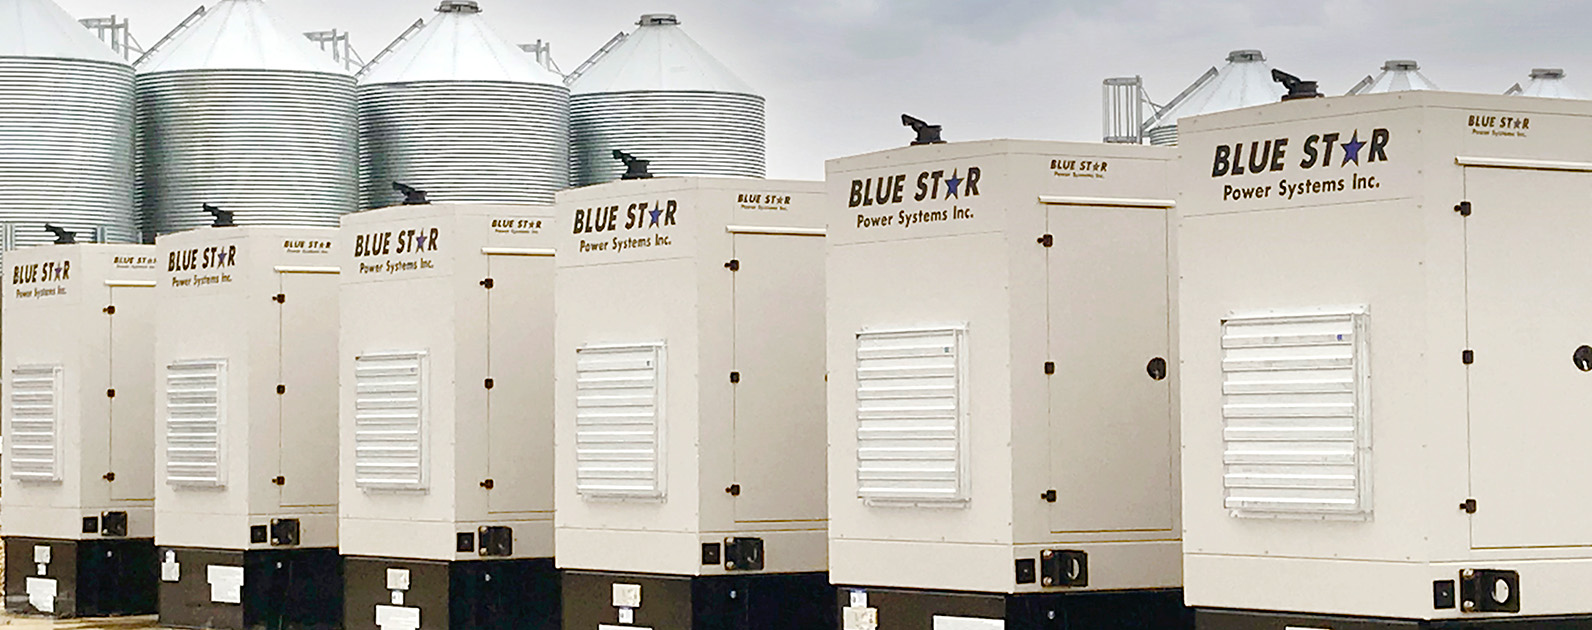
(1385, 356)
(690, 414)
(446, 371)
(246, 387)
(1001, 379)
(79, 427)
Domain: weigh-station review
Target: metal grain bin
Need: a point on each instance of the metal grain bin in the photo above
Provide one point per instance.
(658, 95)
(1398, 75)
(1546, 83)
(240, 112)
(461, 113)
(1244, 82)
(66, 127)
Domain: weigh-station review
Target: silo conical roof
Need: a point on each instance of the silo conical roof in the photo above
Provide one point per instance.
(1549, 83)
(457, 45)
(459, 112)
(39, 28)
(239, 35)
(1399, 75)
(659, 56)
(1244, 82)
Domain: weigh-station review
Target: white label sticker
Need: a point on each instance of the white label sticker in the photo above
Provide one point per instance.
(397, 579)
(859, 618)
(609, 626)
(41, 554)
(859, 599)
(170, 572)
(43, 569)
(397, 598)
(627, 595)
(627, 615)
(226, 584)
(967, 623)
(397, 618)
(41, 594)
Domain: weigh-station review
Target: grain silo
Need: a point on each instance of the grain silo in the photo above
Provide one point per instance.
(66, 123)
(238, 111)
(1244, 82)
(461, 113)
(1398, 75)
(1546, 83)
(658, 95)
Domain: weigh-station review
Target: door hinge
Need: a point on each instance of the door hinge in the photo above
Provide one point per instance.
(280, 298)
(1049, 495)
(735, 377)
(1463, 208)
(1047, 240)
(1468, 505)
(489, 484)
(1467, 357)
(734, 490)
(1050, 367)
(110, 393)
(489, 383)
(733, 265)
(281, 389)
(279, 480)
(488, 283)
(110, 310)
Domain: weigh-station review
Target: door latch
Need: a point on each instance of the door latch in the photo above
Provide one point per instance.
(1049, 495)
(1469, 506)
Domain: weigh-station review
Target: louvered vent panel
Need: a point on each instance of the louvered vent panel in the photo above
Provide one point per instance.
(34, 436)
(911, 417)
(619, 422)
(195, 404)
(1295, 418)
(389, 421)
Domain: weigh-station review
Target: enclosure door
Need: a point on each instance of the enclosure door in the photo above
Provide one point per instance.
(519, 405)
(307, 398)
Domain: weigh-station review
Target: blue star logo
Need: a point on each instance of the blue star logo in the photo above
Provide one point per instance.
(952, 184)
(1351, 150)
(420, 242)
(221, 258)
(655, 214)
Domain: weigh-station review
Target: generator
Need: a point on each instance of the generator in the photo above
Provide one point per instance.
(246, 387)
(76, 340)
(1002, 381)
(1384, 353)
(446, 367)
(688, 437)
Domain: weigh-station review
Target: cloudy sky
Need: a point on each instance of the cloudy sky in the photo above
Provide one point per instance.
(838, 73)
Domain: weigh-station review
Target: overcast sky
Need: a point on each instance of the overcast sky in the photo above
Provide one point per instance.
(838, 73)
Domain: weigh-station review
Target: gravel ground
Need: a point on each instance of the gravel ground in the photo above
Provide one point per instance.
(119, 623)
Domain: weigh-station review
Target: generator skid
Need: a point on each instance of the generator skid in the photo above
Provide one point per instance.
(246, 391)
(1002, 388)
(690, 405)
(76, 340)
(1385, 354)
(446, 369)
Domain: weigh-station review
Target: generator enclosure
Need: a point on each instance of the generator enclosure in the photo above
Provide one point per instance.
(246, 384)
(76, 340)
(446, 371)
(1383, 353)
(690, 377)
(1001, 374)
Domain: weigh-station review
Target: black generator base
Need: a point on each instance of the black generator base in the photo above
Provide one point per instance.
(1215, 619)
(281, 589)
(902, 609)
(753, 601)
(458, 595)
(102, 577)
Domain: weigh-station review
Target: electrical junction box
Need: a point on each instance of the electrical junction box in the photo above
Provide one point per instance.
(1384, 352)
(78, 337)
(246, 388)
(689, 404)
(1002, 379)
(446, 369)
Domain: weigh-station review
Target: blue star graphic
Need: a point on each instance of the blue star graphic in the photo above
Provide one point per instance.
(221, 258)
(655, 214)
(420, 242)
(1351, 151)
(952, 184)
